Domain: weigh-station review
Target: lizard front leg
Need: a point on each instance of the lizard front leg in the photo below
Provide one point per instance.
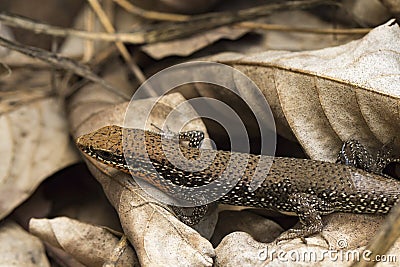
(192, 219)
(309, 208)
(194, 139)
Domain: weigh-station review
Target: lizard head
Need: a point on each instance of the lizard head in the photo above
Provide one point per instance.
(104, 145)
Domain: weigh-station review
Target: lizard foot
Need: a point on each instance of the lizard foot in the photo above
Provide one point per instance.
(305, 206)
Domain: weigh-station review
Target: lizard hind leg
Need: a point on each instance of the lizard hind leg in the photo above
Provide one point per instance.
(353, 153)
(385, 156)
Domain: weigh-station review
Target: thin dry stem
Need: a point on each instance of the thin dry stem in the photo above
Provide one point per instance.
(89, 44)
(285, 28)
(60, 62)
(37, 27)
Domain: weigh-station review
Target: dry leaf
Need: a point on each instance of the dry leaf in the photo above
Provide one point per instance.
(294, 41)
(5, 32)
(19, 248)
(159, 238)
(393, 6)
(61, 257)
(265, 40)
(338, 235)
(89, 244)
(189, 45)
(324, 97)
(331, 95)
(259, 227)
(331, 247)
(34, 136)
(367, 12)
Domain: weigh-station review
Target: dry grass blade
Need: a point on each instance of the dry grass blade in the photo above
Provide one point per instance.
(89, 49)
(60, 62)
(133, 67)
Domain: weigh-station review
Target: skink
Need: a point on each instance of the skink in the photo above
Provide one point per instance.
(304, 187)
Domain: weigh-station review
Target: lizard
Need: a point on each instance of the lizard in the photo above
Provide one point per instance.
(303, 187)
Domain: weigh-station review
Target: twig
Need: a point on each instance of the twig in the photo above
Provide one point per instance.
(53, 81)
(60, 62)
(147, 14)
(25, 23)
(121, 47)
(285, 28)
(168, 30)
(384, 240)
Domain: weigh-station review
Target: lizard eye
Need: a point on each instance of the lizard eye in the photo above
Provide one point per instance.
(105, 154)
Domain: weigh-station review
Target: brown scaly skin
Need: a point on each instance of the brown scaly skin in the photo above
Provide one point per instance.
(307, 188)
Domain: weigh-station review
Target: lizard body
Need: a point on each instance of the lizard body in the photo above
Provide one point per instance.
(307, 188)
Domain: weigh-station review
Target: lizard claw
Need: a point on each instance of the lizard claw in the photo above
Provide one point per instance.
(300, 233)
